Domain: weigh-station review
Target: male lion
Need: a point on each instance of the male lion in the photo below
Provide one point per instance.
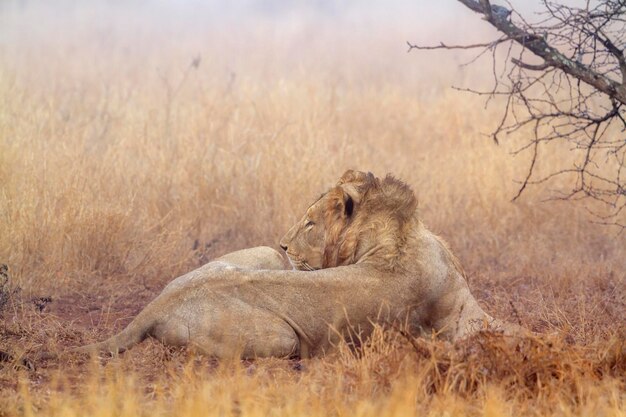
(373, 224)
(381, 265)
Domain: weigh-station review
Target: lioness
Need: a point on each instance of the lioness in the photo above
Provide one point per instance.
(362, 256)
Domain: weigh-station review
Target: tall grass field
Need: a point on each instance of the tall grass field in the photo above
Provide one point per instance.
(138, 141)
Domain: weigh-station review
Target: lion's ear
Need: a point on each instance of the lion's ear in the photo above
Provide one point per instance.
(359, 177)
(348, 205)
(348, 176)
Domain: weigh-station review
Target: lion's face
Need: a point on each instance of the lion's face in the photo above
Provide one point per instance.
(362, 217)
(312, 243)
(304, 242)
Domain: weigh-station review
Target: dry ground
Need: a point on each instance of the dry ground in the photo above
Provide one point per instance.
(123, 165)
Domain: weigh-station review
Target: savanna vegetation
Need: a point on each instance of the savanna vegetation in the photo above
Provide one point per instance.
(137, 144)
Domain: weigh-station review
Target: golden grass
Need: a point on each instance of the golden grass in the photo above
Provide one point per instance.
(122, 166)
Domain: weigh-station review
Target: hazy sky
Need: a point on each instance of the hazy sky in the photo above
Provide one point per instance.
(449, 19)
(304, 35)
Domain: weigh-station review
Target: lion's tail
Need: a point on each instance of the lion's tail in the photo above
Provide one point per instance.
(134, 333)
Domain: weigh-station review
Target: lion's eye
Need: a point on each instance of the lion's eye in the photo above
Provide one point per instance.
(309, 223)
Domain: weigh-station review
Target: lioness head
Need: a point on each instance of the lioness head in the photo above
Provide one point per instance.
(361, 218)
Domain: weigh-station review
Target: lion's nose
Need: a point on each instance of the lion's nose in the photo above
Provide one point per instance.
(283, 247)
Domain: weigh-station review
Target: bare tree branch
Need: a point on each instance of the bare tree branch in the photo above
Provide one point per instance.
(570, 93)
(444, 46)
(498, 16)
(532, 67)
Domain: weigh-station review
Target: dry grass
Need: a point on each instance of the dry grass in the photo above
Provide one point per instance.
(122, 166)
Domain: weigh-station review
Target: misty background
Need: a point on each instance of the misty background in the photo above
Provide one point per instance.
(361, 40)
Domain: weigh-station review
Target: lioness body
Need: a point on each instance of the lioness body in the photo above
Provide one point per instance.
(367, 258)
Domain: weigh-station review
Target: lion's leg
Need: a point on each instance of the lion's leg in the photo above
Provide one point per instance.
(473, 318)
(275, 338)
(247, 332)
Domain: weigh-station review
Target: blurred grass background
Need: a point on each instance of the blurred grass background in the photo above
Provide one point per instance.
(139, 140)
